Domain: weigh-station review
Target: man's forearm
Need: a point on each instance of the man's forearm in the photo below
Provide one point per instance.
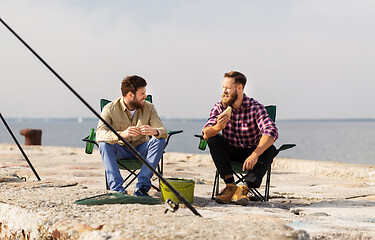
(210, 132)
(264, 143)
(222, 121)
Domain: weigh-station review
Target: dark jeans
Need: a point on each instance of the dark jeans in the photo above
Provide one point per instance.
(222, 153)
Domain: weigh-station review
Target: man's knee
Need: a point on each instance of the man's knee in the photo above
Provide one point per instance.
(269, 154)
(255, 176)
(158, 143)
(215, 140)
(161, 142)
(103, 146)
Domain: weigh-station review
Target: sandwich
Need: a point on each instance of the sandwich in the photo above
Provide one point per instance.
(139, 123)
(227, 111)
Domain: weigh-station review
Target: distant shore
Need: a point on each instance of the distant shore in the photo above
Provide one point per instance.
(93, 119)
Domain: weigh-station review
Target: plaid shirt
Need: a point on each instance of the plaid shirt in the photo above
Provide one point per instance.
(246, 126)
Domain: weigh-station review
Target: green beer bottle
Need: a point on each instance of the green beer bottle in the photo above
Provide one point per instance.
(202, 144)
(90, 142)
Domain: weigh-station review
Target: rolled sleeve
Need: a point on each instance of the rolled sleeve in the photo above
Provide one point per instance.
(156, 123)
(212, 119)
(266, 125)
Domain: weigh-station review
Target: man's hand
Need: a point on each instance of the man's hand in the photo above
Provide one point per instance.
(148, 130)
(131, 131)
(264, 143)
(250, 162)
(222, 121)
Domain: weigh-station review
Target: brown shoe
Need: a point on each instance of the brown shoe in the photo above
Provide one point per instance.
(226, 195)
(240, 196)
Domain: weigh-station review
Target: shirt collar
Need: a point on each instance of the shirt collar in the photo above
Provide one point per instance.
(124, 108)
(245, 102)
(122, 104)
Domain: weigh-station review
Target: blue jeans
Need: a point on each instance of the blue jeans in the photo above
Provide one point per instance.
(151, 151)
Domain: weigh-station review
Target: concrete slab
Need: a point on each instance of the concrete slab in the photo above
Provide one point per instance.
(309, 200)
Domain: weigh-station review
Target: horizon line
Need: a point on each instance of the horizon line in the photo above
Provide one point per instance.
(85, 119)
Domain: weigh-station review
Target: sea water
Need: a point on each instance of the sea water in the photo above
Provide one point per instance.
(328, 140)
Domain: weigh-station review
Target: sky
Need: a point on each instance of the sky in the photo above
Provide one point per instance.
(313, 59)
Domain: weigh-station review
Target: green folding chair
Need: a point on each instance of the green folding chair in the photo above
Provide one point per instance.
(132, 165)
(237, 166)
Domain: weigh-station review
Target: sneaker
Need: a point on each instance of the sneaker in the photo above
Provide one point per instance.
(113, 191)
(226, 194)
(141, 192)
(240, 196)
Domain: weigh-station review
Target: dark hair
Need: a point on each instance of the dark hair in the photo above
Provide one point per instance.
(237, 77)
(132, 84)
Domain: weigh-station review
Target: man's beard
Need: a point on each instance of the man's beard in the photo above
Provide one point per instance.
(228, 100)
(135, 103)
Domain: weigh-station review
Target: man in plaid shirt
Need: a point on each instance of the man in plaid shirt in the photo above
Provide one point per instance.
(247, 136)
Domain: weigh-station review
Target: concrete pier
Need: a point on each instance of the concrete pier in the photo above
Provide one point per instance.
(309, 200)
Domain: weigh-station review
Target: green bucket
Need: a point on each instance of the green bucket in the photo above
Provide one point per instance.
(184, 186)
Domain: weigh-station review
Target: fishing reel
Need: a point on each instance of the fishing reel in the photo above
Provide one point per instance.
(174, 206)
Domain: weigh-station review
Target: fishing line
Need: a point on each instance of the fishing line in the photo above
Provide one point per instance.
(130, 147)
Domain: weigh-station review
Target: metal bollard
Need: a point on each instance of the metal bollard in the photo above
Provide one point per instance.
(32, 136)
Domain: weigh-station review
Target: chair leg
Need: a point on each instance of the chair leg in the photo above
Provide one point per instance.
(135, 177)
(160, 169)
(106, 181)
(266, 191)
(257, 194)
(161, 165)
(133, 172)
(130, 182)
(156, 188)
(215, 189)
(268, 182)
(240, 177)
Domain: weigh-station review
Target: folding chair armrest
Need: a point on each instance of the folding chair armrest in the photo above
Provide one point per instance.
(86, 139)
(171, 133)
(202, 142)
(285, 147)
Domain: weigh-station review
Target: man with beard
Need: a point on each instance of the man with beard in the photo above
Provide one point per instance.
(247, 136)
(124, 115)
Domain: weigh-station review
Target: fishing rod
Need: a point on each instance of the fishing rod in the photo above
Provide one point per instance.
(19, 147)
(130, 147)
